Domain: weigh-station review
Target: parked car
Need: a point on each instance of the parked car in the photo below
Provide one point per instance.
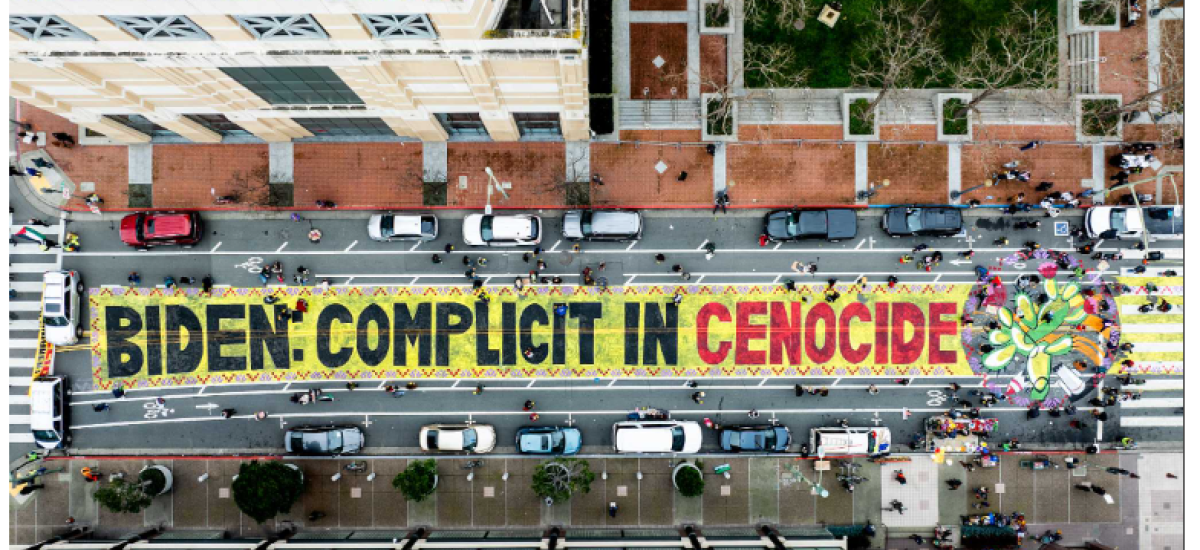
(324, 440)
(60, 307)
(458, 438)
(1159, 223)
(656, 436)
(48, 412)
(147, 229)
(509, 230)
(602, 225)
(791, 225)
(850, 441)
(549, 440)
(768, 439)
(402, 227)
(922, 221)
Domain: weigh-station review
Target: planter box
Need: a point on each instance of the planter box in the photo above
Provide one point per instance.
(939, 106)
(706, 7)
(1076, 23)
(705, 135)
(849, 99)
(1080, 133)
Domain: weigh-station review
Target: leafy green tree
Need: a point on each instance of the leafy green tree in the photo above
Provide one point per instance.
(263, 490)
(121, 497)
(560, 478)
(418, 480)
(690, 481)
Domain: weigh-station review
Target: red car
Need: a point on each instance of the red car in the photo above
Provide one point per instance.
(147, 229)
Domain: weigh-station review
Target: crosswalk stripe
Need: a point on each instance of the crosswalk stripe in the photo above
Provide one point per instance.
(20, 437)
(1151, 421)
(43, 229)
(23, 380)
(1151, 328)
(23, 324)
(18, 419)
(1152, 271)
(1158, 347)
(25, 306)
(18, 399)
(28, 248)
(26, 286)
(1153, 403)
(31, 268)
(23, 343)
(1160, 385)
(23, 362)
(1168, 254)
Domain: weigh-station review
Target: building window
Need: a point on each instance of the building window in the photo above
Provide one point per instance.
(393, 26)
(160, 27)
(538, 124)
(142, 124)
(462, 124)
(45, 27)
(219, 124)
(283, 27)
(346, 126)
(295, 85)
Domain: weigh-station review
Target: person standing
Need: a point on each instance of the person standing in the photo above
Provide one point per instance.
(721, 202)
(1031, 145)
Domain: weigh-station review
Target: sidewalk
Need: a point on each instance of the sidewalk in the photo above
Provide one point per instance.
(758, 490)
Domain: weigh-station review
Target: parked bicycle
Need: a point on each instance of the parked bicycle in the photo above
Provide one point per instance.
(472, 464)
(356, 467)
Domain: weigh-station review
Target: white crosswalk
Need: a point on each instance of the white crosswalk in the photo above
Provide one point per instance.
(1153, 403)
(1151, 329)
(1157, 347)
(1132, 309)
(1151, 421)
(23, 331)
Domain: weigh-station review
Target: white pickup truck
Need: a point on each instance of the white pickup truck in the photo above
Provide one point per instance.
(1161, 223)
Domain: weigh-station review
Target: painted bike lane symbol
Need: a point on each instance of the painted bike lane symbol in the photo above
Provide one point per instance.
(936, 398)
(253, 265)
(154, 410)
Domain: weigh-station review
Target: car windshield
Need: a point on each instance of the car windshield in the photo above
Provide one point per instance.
(677, 439)
(335, 440)
(469, 439)
(386, 225)
(426, 225)
(485, 228)
(56, 321)
(141, 227)
(533, 230)
(431, 439)
(45, 435)
(913, 220)
(585, 221)
(793, 224)
(1118, 220)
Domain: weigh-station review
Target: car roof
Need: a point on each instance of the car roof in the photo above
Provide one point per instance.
(171, 224)
(405, 224)
(512, 227)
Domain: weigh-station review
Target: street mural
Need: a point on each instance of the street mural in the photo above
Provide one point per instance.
(150, 337)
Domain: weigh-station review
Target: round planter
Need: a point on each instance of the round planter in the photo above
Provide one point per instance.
(169, 480)
(298, 470)
(435, 481)
(681, 466)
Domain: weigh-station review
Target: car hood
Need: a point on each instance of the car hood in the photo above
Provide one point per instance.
(129, 229)
(843, 224)
(691, 438)
(894, 222)
(352, 441)
(470, 230)
(60, 336)
(573, 224)
(776, 225)
(573, 441)
(486, 439)
(373, 227)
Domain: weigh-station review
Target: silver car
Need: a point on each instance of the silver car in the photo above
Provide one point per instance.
(402, 227)
(324, 440)
(60, 307)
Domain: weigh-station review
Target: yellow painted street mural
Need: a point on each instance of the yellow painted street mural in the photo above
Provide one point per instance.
(150, 337)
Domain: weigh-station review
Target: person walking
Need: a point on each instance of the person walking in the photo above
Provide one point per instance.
(529, 404)
(872, 389)
(63, 140)
(660, 258)
(437, 259)
(1031, 145)
(100, 407)
(698, 397)
(134, 278)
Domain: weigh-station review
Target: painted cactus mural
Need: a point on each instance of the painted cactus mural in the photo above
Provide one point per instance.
(1038, 334)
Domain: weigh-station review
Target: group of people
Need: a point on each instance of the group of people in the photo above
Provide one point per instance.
(206, 283)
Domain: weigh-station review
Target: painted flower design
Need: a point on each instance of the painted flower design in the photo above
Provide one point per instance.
(1034, 333)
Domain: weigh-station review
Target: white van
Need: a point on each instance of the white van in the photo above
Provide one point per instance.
(851, 441)
(48, 409)
(656, 436)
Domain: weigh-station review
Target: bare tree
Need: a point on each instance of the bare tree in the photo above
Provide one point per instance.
(1020, 52)
(898, 50)
(791, 14)
(772, 65)
(1165, 93)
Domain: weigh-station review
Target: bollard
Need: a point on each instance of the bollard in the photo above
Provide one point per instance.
(203, 477)
(336, 477)
(505, 476)
(371, 477)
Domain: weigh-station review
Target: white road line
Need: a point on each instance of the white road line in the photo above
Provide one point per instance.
(938, 278)
(701, 247)
(1151, 421)
(214, 249)
(1157, 347)
(700, 280)
(776, 281)
(30, 268)
(18, 399)
(414, 247)
(18, 419)
(555, 247)
(777, 245)
(763, 382)
(20, 437)
(1159, 385)
(1151, 328)
(1153, 403)
(629, 281)
(860, 243)
(348, 248)
(631, 245)
(281, 247)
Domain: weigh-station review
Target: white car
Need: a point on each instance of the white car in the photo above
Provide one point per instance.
(1159, 223)
(402, 227)
(458, 438)
(657, 436)
(60, 307)
(512, 230)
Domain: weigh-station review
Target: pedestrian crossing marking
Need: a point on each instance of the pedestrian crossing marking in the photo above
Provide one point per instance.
(20, 437)
(1151, 328)
(1153, 403)
(1151, 421)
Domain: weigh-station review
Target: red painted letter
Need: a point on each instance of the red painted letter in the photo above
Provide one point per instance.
(938, 328)
(853, 310)
(704, 317)
(784, 334)
(742, 354)
(904, 351)
(881, 332)
(820, 312)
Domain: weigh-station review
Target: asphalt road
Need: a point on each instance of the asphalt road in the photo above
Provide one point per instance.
(190, 421)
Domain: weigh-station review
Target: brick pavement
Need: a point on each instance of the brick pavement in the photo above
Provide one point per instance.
(184, 174)
(764, 132)
(649, 41)
(713, 66)
(365, 175)
(1166, 156)
(908, 132)
(1064, 165)
(631, 178)
(657, 5)
(916, 173)
(784, 174)
(536, 170)
(1124, 70)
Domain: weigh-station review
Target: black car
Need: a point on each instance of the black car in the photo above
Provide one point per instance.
(324, 440)
(791, 225)
(918, 221)
(761, 439)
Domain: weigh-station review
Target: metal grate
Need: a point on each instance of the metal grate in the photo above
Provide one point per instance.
(393, 26)
(282, 27)
(160, 27)
(45, 28)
